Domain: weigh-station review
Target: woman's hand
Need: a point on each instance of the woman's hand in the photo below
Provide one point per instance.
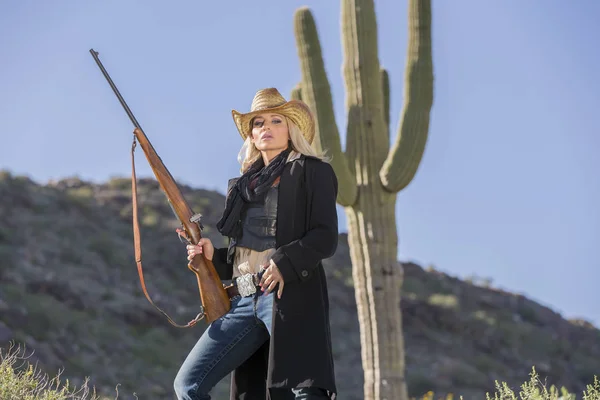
(271, 278)
(204, 246)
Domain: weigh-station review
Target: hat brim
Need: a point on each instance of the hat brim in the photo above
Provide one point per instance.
(296, 110)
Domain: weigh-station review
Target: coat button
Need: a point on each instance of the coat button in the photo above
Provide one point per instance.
(305, 273)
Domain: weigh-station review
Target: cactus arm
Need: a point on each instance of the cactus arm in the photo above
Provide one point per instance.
(316, 93)
(385, 86)
(367, 142)
(404, 157)
(296, 93)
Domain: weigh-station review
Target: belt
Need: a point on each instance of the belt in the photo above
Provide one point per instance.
(232, 291)
(244, 285)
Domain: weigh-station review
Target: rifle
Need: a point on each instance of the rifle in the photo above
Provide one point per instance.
(214, 298)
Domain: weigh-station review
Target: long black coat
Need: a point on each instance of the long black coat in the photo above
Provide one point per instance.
(299, 353)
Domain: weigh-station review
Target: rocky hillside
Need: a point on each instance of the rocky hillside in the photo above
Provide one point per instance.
(69, 291)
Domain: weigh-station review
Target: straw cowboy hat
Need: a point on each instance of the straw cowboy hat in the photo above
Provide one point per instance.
(270, 100)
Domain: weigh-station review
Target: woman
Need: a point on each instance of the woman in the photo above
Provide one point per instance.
(281, 218)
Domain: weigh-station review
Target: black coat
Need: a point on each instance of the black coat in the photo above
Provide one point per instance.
(299, 353)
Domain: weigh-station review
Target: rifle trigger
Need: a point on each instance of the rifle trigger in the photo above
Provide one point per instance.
(183, 236)
(197, 219)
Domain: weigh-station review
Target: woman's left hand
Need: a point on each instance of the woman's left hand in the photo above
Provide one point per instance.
(271, 278)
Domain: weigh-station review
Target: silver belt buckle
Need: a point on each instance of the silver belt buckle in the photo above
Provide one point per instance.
(245, 284)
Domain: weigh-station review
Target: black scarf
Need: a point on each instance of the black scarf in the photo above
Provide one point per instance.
(251, 187)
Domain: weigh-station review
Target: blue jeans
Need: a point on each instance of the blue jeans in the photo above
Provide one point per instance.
(225, 345)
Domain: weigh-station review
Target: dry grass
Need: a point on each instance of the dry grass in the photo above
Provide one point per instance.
(20, 380)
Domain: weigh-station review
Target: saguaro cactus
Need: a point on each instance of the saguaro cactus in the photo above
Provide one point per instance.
(370, 173)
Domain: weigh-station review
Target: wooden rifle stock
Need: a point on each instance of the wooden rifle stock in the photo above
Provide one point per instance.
(214, 298)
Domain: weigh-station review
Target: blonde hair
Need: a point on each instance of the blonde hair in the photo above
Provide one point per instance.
(248, 154)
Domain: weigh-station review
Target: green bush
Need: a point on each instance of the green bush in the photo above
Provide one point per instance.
(444, 300)
(25, 382)
(534, 389)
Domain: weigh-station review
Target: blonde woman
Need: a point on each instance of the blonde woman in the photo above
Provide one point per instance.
(280, 216)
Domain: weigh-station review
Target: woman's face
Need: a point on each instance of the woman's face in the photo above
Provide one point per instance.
(270, 132)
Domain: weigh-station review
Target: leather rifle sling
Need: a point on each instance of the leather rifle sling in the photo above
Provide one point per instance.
(138, 247)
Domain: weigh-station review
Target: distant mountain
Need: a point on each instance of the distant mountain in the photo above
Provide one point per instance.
(70, 292)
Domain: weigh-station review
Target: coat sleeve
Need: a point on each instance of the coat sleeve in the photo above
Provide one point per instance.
(297, 259)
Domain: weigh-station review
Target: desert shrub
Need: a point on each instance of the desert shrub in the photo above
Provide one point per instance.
(82, 193)
(21, 380)
(444, 300)
(5, 175)
(535, 389)
(120, 184)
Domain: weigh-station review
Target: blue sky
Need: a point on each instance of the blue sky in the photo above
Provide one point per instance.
(508, 187)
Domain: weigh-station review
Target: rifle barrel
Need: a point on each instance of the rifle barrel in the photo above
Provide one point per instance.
(114, 88)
